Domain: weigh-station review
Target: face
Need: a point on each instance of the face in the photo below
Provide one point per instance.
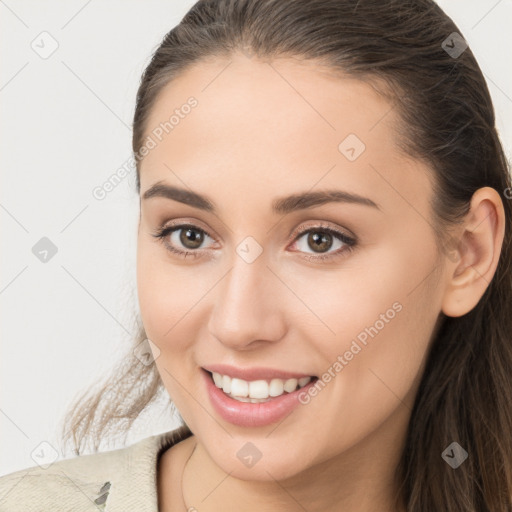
(343, 289)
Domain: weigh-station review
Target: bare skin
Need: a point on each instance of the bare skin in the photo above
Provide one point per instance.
(262, 131)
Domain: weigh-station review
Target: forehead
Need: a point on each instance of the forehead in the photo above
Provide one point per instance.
(256, 100)
(270, 124)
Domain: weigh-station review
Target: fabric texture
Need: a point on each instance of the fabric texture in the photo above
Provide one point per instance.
(121, 480)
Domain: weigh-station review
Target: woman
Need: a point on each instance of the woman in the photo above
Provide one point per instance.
(322, 268)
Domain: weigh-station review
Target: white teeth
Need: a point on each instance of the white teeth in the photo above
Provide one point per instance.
(226, 384)
(250, 400)
(276, 387)
(258, 390)
(217, 378)
(303, 381)
(239, 387)
(290, 385)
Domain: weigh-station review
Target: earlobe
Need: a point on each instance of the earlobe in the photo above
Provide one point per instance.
(478, 252)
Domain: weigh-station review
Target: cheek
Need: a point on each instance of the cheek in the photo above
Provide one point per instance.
(157, 292)
(380, 300)
(172, 300)
(383, 322)
(164, 302)
(381, 379)
(387, 291)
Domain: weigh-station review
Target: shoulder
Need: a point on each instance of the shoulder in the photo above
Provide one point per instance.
(125, 477)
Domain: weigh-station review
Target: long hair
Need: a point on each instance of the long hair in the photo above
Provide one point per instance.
(447, 120)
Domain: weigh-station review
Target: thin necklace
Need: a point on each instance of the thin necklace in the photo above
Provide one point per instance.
(182, 473)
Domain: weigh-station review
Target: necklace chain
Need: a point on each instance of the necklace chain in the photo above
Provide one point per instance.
(182, 473)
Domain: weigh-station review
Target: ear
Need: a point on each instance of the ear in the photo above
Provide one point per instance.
(477, 253)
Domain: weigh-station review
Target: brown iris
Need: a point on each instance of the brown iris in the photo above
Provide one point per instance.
(191, 235)
(320, 240)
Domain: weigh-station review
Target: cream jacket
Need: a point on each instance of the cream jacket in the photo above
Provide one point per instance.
(122, 480)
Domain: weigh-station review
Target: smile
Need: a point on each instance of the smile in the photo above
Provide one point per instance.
(257, 391)
(254, 403)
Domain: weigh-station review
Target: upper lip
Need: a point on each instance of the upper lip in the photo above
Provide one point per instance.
(254, 373)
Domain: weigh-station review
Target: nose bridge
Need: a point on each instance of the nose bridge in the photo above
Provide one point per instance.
(247, 305)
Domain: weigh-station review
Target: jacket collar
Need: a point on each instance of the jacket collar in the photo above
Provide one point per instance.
(133, 478)
(110, 481)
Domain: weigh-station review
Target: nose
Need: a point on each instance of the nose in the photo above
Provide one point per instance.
(248, 310)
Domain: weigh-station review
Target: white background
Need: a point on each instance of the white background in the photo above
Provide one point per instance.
(65, 128)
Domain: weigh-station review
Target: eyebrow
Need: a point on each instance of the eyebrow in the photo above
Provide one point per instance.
(281, 205)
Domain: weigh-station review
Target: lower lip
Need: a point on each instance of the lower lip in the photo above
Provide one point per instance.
(246, 414)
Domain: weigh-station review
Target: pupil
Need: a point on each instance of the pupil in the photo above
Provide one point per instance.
(321, 241)
(187, 236)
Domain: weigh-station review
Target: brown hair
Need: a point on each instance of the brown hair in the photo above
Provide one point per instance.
(448, 121)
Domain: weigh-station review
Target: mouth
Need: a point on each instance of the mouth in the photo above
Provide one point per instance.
(258, 390)
(258, 402)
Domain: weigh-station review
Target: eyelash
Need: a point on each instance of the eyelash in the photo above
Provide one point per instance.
(349, 242)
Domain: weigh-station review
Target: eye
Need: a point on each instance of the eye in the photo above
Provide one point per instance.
(182, 235)
(321, 239)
